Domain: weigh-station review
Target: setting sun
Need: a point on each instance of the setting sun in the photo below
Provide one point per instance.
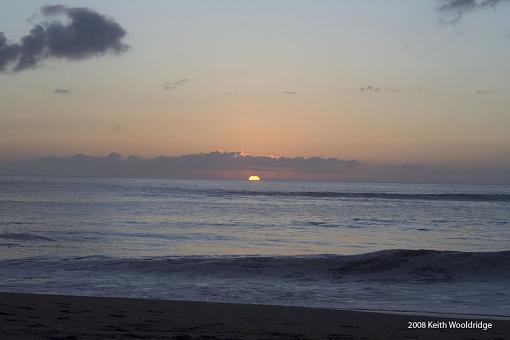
(254, 178)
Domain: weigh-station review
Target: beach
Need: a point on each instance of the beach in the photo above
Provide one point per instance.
(38, 316)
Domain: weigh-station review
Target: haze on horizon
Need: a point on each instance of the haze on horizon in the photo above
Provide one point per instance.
(415, 90)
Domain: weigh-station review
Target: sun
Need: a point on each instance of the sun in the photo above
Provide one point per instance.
(254, 178)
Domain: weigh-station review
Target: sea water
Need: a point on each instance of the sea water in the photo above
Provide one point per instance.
(403, 247)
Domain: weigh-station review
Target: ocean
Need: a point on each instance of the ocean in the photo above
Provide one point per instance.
(377, 246)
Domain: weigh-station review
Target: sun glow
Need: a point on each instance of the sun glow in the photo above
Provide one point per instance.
(254, 178)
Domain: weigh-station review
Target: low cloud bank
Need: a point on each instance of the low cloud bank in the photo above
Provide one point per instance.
(238, 165)
(203, 165)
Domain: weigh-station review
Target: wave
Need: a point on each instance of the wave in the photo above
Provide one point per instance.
(24, 237)
(420, 266)
(469, 197)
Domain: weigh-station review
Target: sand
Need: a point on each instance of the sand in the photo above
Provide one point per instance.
(31, 316)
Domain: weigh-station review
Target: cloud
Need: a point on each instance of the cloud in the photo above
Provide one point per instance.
(371, 88)
(204, 165)
(288, 92)
(84, 33)
(238, 165)
(62, 91)
(175, 84)
(484, 92)
(452, 11)
(8, 52)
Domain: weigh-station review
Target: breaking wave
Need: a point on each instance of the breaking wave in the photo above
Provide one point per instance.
(388, 265)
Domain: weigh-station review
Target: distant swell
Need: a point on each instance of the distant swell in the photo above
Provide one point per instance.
(388, 265)
(470, 197)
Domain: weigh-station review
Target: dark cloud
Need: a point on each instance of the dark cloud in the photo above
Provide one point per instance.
(175, 84)
(62, 91)
(453, 10)
(212, 164)
(289, 92)
(8, 52)
(84, 33)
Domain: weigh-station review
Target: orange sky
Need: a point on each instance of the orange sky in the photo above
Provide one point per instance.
(383, 83)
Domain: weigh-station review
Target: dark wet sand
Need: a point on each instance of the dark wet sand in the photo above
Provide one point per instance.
(29, 316)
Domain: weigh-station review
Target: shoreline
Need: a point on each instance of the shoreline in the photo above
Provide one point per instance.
(42, 316)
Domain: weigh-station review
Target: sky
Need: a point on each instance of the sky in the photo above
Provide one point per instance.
(410, 90)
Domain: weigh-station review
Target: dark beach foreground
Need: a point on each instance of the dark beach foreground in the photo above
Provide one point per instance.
(34, 316)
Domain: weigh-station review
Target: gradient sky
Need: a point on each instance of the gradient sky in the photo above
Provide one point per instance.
(272, 78)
